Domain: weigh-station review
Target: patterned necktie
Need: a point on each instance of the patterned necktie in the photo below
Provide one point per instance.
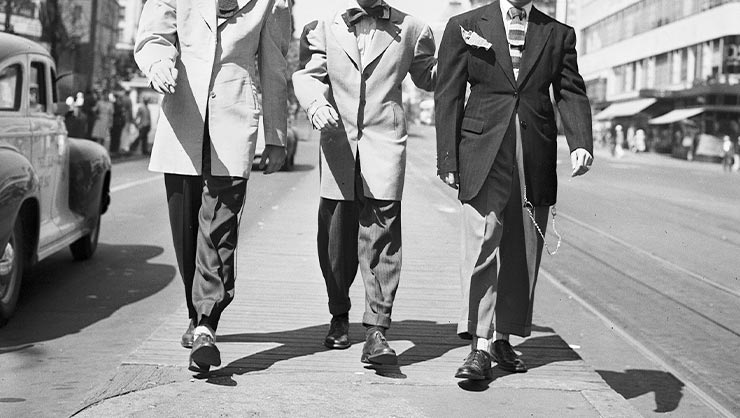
(516, 36)
(355, 14)
(226, 8)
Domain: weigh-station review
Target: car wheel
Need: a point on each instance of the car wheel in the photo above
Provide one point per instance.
(11, 271)
(85, 247)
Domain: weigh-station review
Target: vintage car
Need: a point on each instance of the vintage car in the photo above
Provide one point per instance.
(53, 189)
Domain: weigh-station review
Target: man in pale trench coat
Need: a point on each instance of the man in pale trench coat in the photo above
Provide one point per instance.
(352, 67)
(204, 56)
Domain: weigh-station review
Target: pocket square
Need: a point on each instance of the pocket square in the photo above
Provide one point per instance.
(473, 39)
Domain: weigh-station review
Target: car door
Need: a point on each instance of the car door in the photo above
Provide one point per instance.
(45, 146)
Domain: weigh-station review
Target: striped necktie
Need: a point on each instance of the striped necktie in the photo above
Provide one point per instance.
(516, 36)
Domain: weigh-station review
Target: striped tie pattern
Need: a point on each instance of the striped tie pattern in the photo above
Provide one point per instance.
(516, 36)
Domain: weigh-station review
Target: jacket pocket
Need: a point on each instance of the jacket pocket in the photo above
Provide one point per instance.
(472, 125)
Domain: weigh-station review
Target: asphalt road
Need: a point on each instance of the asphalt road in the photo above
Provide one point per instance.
(649, 264)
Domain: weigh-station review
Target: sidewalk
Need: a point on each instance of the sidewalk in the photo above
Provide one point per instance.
(274, 363)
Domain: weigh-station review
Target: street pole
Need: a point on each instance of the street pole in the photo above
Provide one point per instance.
(8, 14)
(93, 41)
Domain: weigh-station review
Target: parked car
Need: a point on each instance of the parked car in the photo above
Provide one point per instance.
(53, 189)
(291, 146)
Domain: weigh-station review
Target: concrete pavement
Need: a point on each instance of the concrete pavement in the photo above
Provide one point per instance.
(274, 363)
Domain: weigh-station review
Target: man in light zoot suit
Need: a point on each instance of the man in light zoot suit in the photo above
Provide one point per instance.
(352, 67)
(206, 56)
(500, 150)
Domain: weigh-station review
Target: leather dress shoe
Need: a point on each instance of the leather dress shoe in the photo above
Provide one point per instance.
(338, 336)
(507, 358)
(204, 352)
(377, 350)
(477, 366)
(198, 368)
(187, 338)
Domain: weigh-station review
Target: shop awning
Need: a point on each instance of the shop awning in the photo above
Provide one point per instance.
(676, 115)
(623, 109)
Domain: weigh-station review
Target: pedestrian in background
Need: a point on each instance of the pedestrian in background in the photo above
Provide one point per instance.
(500, 151)
(728, 153)
(103, 111)
(352, 67)
(203, 56)
(119, 123)
(143, 122)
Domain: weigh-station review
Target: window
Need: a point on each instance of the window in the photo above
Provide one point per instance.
(11, 85)
(37, 97)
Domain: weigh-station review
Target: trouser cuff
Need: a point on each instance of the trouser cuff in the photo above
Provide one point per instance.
(376, 320)
(468, 329)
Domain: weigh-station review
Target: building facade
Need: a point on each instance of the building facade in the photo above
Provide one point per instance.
(669, 67)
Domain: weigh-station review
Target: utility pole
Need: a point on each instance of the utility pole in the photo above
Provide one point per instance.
(93, 41)
(8, 14)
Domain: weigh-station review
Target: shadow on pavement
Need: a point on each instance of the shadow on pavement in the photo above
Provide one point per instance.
(536, 352)
(634, 383)
(62, 297)
(430, 340)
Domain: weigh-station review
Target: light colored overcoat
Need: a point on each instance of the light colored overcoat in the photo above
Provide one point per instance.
(217, 63)
(367, 96)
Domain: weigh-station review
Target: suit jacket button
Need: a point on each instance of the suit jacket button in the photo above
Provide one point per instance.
(213, 94)
(523, 123)
(516, 94)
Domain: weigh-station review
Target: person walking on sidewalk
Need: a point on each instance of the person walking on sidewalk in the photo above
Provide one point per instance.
(500, 151)
(349, 83)
(103, 111)
(143, 122)
(202, 56)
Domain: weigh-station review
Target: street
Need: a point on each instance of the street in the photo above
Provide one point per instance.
(645, 287)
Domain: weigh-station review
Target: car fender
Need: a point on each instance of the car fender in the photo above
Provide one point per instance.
(89, 178)
(18, 183)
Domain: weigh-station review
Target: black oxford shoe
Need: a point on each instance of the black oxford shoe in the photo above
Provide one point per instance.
(507, 358)
(377, 350)
(205, 352)
(477, 366)
(198, 368)
(338, 336)
(187, 338)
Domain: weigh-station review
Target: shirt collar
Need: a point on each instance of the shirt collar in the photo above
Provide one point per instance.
(505, 6)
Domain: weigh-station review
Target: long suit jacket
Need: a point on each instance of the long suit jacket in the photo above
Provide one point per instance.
(469, 135)
(367, 96)
(217, 64)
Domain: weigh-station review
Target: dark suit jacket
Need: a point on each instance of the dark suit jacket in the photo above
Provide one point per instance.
(469, 135)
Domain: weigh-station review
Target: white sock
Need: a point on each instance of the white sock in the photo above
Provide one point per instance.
(482, 344)
(500, 336)
(203, 329)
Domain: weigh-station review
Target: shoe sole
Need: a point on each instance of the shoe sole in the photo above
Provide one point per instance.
(471, 376)
(380, 359)
(186, 344)
(336, 346)
(206, 355)
(199, 368)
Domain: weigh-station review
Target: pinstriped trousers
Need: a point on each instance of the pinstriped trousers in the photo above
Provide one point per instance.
(365, 232)
(205, 213)
(501, 250)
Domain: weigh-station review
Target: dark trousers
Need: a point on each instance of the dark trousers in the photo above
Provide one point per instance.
(366, 233)
(142, 138)
(204, 216)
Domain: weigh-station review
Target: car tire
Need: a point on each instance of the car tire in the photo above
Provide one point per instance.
(13, 257)
(84, 248)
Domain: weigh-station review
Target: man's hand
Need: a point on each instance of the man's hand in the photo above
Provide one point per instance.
(451, 179)
(325, 118)
(273, 158)
(581, 161)
(163, 76)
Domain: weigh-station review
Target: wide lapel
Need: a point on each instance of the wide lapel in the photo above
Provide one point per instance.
(492, 26)
(345, 37)
(240, 5)
(386, 31)
(538, 32)
(207, 9)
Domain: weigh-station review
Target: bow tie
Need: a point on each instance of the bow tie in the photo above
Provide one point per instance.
(226, 8)
(517, 13)
(355, 14)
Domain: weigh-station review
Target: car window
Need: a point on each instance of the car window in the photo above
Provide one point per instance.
(37, 98)
(11, 84)
(54, 92)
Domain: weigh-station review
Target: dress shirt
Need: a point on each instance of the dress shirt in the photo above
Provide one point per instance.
(364, 29)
